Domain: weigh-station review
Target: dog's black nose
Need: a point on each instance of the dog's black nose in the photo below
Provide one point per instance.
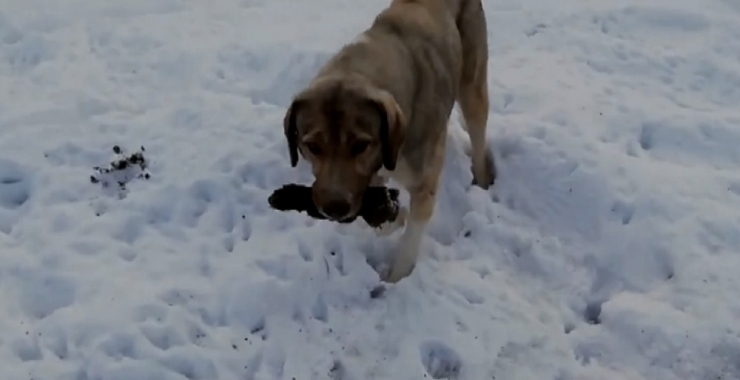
(336, 210)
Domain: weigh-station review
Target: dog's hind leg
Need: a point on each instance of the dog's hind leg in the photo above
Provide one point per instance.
(473, 96)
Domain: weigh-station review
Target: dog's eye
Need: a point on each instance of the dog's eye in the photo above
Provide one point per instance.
(314, 148)
(358, 147)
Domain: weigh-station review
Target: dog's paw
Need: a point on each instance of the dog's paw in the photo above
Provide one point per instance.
(484, 183)
(484, 173)
(383, 272)
(397, 273)
(404, 261)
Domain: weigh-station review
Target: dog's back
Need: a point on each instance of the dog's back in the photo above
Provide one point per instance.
(448, 48)
(432, 32)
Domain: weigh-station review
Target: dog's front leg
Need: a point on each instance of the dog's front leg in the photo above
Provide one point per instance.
(406, 252)
(423, 197)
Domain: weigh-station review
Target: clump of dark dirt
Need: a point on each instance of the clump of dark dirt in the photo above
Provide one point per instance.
(122, 170)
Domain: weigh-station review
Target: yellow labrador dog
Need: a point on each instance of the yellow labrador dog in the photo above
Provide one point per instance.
(380, 107)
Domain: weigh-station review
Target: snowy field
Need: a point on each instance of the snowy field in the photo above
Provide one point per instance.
(609, 248)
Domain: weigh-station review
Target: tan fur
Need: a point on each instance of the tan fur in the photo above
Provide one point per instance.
(380, 108)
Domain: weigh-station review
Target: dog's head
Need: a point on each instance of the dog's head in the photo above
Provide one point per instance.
(347, 131)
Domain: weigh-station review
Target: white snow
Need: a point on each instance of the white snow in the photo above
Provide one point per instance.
(609, 247)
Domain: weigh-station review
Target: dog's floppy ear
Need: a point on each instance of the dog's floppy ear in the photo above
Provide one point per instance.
(291, 130)
(392, 126)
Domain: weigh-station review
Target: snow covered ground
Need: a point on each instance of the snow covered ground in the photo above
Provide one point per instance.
(609, 247)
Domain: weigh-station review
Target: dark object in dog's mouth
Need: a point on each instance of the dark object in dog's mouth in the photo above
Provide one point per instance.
(379, 205)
